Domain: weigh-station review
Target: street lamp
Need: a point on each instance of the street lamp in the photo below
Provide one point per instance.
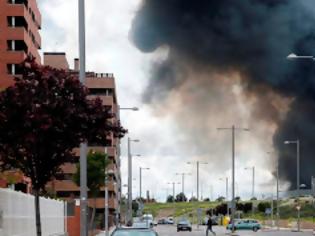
(83, 146)
(130, 178)
(253, 179)
(140, 180)
(183, 180)
(226, 192)
(297, 142)
(198, 163)
(277, 187)
(173, 183)
(233, 128)
(129, 108)
(293, 56)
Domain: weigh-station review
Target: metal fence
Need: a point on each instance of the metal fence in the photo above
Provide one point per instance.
(17, 215)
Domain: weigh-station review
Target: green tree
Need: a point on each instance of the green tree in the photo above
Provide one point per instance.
(43, 117)
(181, 198)
(97, 163)
(170, 198)
(220, 199)
(262, 206)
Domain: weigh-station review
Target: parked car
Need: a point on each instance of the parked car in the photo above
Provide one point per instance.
(148, 218)
(162, 221)
(133, 232)
(245, 224)
(170, 220)
(184, 225)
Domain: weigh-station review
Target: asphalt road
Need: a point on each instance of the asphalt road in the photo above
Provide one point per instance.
(170, 230)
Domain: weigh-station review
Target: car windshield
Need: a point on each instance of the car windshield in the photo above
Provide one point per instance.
(183, 222)
(140, 225)
(134, 233)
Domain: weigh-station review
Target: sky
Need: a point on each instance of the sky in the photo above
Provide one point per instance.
(163, 146)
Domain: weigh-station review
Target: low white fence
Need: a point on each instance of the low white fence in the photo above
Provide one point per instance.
(17, 215)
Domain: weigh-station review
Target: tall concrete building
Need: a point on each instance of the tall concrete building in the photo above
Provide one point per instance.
(20, 22)
(101, 85)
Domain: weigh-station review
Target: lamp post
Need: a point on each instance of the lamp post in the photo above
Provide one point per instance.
(226, 192)
(130, 179)
(183, 180)
(83, 146)
(233, 128)
(293, 56)
(140, 180)
(173, 183)
(297, 142)
(119, 191)
(197, 163)
(253, 179)
(129, 108)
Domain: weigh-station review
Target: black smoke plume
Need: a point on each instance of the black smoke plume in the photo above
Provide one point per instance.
(252, 37)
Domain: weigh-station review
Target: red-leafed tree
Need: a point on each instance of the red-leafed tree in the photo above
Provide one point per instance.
(43, 117)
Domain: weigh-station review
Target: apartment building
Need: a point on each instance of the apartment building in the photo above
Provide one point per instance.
(20, 22)
(101, 85)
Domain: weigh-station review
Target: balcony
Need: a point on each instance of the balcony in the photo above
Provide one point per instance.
(69, 168)
(65, 185)
(106, 100)
(100, 203)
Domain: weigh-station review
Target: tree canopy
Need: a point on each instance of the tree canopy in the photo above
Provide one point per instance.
(43, 117)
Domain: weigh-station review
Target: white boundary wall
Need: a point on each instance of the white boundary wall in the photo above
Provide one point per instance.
(17, 215)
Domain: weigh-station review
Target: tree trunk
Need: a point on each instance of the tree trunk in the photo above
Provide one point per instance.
(37, 213)
(93, 216)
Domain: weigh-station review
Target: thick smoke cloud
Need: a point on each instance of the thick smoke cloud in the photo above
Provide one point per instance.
(251, 37)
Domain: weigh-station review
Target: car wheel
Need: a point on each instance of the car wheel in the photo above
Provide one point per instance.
(255, 229)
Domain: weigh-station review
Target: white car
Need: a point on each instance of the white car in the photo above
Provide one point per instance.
(148, 218)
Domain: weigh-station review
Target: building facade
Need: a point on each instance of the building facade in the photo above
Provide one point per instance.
(20, 22)
(100, 85)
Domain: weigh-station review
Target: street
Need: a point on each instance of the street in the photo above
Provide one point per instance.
(167, 230)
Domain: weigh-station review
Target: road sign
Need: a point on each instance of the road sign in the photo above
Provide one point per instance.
(268, 211)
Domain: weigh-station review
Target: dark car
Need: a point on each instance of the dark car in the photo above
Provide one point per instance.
(134, 232)
(162, 221)
(184, 225)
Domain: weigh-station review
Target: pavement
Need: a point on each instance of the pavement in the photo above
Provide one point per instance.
(170, 230)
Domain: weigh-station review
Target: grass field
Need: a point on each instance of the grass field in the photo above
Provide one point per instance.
(189, 210)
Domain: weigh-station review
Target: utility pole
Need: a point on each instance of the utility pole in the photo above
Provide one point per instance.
(83, 146)
(130, 179)
(297, 142)
(226, 193)
(198, 163)
(140, 179)
(183, 180)
(173, 183)
(233, 170)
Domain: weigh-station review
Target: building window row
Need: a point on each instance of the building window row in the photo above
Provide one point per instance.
(25, 2)
(101, 91)
(30, 11)
(17, 21)
(17, 45)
